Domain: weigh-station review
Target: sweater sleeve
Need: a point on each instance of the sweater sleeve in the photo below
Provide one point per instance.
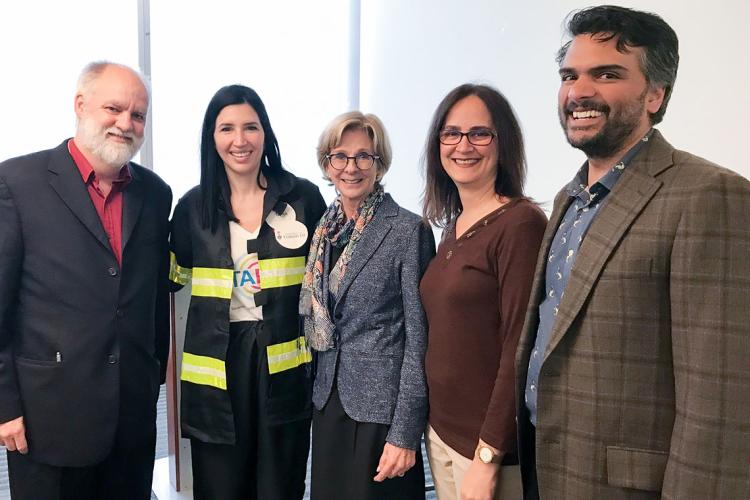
(517, 250)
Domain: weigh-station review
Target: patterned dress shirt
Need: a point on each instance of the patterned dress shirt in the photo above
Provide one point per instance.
(585, 204)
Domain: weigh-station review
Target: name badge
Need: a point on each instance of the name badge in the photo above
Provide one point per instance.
(289, 232)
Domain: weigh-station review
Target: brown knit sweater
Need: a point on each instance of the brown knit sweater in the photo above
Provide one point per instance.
(475, 292)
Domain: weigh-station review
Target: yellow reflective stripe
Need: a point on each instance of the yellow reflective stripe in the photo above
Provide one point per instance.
(203, 370)
(178, 274)
(287, 355)
(276, 273)
(212, 282)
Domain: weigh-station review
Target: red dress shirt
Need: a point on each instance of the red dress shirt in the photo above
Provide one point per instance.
(108, 207)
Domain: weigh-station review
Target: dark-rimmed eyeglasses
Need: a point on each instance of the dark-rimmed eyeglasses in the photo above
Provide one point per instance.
(477, 136)
(363, 161)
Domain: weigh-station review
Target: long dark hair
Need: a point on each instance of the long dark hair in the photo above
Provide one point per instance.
(440, 201)
(215, 192)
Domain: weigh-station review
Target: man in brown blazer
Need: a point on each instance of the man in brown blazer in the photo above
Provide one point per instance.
(632, 368)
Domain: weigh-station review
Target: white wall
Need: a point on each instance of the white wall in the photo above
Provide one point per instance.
(294, 54)
(414, 52)
(43, 47)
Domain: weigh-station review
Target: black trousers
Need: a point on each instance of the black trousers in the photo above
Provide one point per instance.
(345, 454)
(527, 450)
(267, 462)
(125, 474)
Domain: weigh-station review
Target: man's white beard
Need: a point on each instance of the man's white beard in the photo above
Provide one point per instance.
(113, 154)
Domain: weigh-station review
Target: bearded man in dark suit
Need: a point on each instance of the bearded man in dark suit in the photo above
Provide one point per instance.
(632, 365)
(83, 302)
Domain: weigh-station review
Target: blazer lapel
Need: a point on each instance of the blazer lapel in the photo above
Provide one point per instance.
(626, 201)
(132, 204)
(374, 234)
(66, 180)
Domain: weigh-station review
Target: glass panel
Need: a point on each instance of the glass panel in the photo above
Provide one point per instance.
(43, 53)
(297, 62)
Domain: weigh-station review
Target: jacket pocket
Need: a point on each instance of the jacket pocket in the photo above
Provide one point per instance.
(629, 269)
(636, 468)
(38, 362)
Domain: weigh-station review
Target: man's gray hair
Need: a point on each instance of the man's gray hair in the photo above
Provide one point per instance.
(94, 69)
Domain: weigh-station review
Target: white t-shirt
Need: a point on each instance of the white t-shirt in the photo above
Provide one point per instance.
(246, 276)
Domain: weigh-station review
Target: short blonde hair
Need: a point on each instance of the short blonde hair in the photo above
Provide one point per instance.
(355, 120)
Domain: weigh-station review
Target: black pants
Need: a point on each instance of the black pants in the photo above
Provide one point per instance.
(345, 455)
(268, 462)
(125, 474)
(528, 452)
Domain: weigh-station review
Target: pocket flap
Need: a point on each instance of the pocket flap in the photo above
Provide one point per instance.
(636, 468)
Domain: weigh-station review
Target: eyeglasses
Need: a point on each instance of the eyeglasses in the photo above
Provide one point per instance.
(477, 137)
(363, 161)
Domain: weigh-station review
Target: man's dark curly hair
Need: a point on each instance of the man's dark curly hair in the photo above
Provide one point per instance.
(632, 28)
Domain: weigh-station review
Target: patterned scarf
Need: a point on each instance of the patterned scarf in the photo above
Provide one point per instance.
(340, 231)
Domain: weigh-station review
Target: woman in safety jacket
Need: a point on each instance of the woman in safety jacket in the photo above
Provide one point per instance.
(242, 237)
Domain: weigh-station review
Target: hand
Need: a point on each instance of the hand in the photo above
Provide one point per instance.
(480, 481)
(13, 435)
(394, 462)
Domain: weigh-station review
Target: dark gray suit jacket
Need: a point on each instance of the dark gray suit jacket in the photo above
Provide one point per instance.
(83, 340)
(381, 328)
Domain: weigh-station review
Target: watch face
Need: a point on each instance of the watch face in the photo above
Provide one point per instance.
(485, 455)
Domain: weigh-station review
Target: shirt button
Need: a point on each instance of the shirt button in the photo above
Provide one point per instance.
(112, 271)
(119, 313)
(449, 255)
(111, 359)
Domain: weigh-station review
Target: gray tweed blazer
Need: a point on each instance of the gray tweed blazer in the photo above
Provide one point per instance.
(381, 328)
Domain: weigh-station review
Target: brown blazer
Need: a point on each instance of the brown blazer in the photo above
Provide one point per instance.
(645, 388)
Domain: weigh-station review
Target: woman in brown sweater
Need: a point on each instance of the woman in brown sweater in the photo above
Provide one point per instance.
(475, 291)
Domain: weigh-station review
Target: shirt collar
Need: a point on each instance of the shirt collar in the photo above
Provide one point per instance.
(608, 180)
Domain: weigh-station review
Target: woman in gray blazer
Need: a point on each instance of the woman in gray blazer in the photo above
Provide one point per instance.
(364, 320)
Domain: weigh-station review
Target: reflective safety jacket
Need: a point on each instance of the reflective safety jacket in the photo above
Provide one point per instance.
(291, 210)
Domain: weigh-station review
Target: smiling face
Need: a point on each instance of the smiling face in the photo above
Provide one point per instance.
(352, 183)
(604, 99)
(111, 115)
(466, 164)
(239, 140)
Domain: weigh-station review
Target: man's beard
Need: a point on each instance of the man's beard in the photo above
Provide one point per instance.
(114, 155)
(617, 129)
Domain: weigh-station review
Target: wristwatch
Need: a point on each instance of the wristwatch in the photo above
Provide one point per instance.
(487, 456)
